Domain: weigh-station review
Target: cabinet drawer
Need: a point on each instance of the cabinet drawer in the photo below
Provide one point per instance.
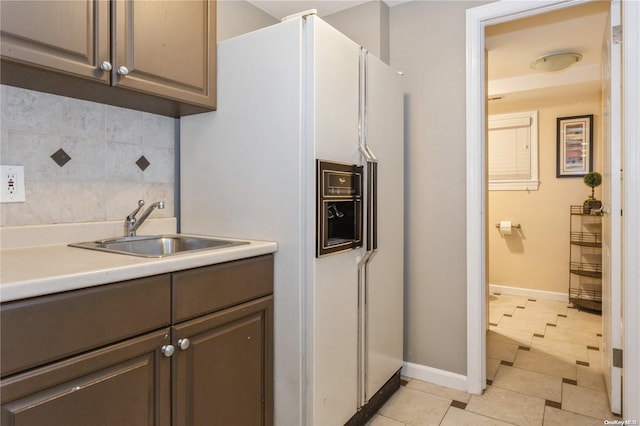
(44, 329)
(208, 289)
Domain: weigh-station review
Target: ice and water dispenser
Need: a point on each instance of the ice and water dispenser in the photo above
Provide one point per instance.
(339, 207)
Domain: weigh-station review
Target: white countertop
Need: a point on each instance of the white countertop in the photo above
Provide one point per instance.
(39, 270)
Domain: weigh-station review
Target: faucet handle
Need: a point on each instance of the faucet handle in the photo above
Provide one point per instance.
(133, 214)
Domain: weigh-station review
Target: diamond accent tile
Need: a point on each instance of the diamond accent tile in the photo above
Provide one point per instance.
(143, 163)
(60, 157)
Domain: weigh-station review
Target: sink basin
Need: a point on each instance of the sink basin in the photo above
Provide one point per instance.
(158, 245)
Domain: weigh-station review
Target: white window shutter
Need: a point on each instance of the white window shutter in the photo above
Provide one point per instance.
(513, 151)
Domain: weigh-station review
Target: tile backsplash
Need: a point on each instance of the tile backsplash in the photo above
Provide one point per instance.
(101, 181)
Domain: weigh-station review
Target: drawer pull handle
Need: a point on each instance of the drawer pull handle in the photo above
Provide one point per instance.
(168, 350)
(184, 344)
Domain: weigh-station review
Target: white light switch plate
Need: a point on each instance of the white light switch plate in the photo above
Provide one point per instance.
(12, 190)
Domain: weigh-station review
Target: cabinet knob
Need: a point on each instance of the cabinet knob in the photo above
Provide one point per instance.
(123, 70)
(168, 350)
(106, 66)
(184, 344)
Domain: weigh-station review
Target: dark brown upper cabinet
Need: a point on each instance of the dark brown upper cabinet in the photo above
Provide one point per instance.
(70, 37)
(154, 56)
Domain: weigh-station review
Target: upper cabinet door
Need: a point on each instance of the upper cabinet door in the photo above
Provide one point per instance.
(71, 36)
(166, 48)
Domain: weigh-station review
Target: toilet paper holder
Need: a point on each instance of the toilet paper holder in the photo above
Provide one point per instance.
(517, 226)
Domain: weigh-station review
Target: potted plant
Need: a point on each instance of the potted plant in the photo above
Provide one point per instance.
(592, 179)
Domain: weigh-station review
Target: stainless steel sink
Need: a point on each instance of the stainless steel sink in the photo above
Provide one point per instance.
(158, 245)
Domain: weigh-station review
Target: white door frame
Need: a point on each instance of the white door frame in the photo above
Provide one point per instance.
(611, 202)
(476, 20)
(631, 208)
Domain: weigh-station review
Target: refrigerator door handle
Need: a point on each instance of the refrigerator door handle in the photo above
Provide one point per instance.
(374, 207)
(372, 201)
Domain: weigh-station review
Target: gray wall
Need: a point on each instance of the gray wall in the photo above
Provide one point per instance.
(428, 44)
(236, 17)
(367, 25)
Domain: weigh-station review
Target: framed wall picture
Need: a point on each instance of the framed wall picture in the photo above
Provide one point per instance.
(575, 146)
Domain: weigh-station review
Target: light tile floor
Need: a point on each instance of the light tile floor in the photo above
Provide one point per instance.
(543, 368)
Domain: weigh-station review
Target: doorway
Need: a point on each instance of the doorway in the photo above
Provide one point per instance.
(534, 337)
(477, 19)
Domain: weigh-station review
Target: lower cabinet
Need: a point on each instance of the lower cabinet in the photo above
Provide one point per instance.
(223, 370)
(124, 384)
(214, 368)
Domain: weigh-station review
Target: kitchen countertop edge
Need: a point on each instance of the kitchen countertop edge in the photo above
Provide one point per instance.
(62, 268)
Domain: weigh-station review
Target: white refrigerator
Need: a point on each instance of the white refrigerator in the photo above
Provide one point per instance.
(288, 95)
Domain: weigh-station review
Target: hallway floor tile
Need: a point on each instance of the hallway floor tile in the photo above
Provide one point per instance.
(543, 368)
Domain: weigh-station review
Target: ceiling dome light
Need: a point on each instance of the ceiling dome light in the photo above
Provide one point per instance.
(555, 61)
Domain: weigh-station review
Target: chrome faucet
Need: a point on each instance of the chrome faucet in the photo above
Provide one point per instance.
(132, 224)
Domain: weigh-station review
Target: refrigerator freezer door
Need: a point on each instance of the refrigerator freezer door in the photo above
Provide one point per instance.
(384, 293)
(332, 75)
(241, 176)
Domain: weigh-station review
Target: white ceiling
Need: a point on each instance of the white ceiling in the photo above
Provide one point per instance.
(513, 45)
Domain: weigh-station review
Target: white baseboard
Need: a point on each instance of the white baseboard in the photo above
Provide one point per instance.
(435, 376)
(534, 294)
